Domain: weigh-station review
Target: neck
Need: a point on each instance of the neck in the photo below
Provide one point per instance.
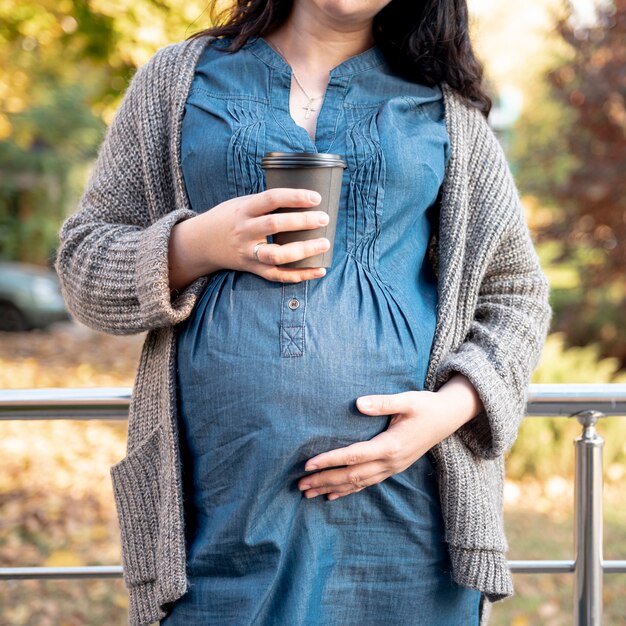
(314, 42)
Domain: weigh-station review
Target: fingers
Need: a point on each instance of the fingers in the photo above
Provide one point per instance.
(282, 222)
(293, 274)
(274, 254)
(387, 404)
(377, 448)
(365, 463)
(256, 222)
(344, 480)
(266, 201)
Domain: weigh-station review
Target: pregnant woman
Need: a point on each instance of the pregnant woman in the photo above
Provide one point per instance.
(306, 446)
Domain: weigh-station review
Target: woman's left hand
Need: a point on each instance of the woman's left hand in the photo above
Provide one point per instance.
(420, 419)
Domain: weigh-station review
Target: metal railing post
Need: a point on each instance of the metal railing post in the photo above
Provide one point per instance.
(588, 567)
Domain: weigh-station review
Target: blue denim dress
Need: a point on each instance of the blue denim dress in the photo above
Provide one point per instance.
(269, 373)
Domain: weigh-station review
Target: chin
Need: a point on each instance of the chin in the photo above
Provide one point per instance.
(346, 9)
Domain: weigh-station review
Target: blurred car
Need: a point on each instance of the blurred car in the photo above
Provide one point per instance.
(30, 297)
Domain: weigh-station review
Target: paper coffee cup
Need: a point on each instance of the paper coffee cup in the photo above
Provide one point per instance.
(318, 171)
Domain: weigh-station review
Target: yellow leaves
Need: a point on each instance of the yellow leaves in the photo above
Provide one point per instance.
(194, 11)
(69, 24)
(57, 510)
(84, 371)
(71, 355)
(19, 614)
(537, 213)
(41, 25)
(615, 472)
(63, 558)
(121, 600)
(5, 127)
(56, 501)
(62, 456)
(560, 363)
(14, 104)
(50, 38)
(65, 6)
(99, 533)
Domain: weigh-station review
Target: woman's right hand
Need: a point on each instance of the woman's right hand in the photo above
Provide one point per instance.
(224, 238)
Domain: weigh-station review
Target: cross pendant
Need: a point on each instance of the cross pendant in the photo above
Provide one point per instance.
(308, 108)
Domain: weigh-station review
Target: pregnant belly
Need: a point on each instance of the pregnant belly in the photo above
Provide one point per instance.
(244, 405)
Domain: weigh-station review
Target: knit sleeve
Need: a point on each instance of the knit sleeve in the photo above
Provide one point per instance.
(511, 318)
(112, 257)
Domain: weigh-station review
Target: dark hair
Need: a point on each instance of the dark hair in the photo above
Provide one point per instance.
(423, 41)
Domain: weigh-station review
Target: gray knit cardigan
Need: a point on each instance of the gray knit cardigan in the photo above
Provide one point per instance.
(492, 320)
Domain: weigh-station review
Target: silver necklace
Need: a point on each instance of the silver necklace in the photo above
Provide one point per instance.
(308, 108)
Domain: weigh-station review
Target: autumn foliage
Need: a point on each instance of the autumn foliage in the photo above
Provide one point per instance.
(593, 85)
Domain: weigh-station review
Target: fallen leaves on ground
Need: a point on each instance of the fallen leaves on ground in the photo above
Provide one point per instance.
(56, 501)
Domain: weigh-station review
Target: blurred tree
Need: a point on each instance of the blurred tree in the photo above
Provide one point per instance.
(571, 151)
(592, 86)
(63, 67)
(538, 150)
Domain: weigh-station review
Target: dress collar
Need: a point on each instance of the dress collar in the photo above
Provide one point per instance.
(370, 58)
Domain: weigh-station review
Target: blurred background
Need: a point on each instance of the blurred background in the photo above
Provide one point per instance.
(556, 71)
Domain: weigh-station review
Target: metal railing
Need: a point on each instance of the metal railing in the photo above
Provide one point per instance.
(588, 565)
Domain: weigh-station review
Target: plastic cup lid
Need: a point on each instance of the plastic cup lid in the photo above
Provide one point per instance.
(302, 159)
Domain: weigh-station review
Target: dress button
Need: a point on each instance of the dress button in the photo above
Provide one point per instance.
(293, 304)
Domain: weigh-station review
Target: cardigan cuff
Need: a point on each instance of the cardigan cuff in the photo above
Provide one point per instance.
(158, 307)
(485, 570)
(492, 431)
(143, 609)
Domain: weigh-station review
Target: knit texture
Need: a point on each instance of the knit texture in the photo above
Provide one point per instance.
(492, 320)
